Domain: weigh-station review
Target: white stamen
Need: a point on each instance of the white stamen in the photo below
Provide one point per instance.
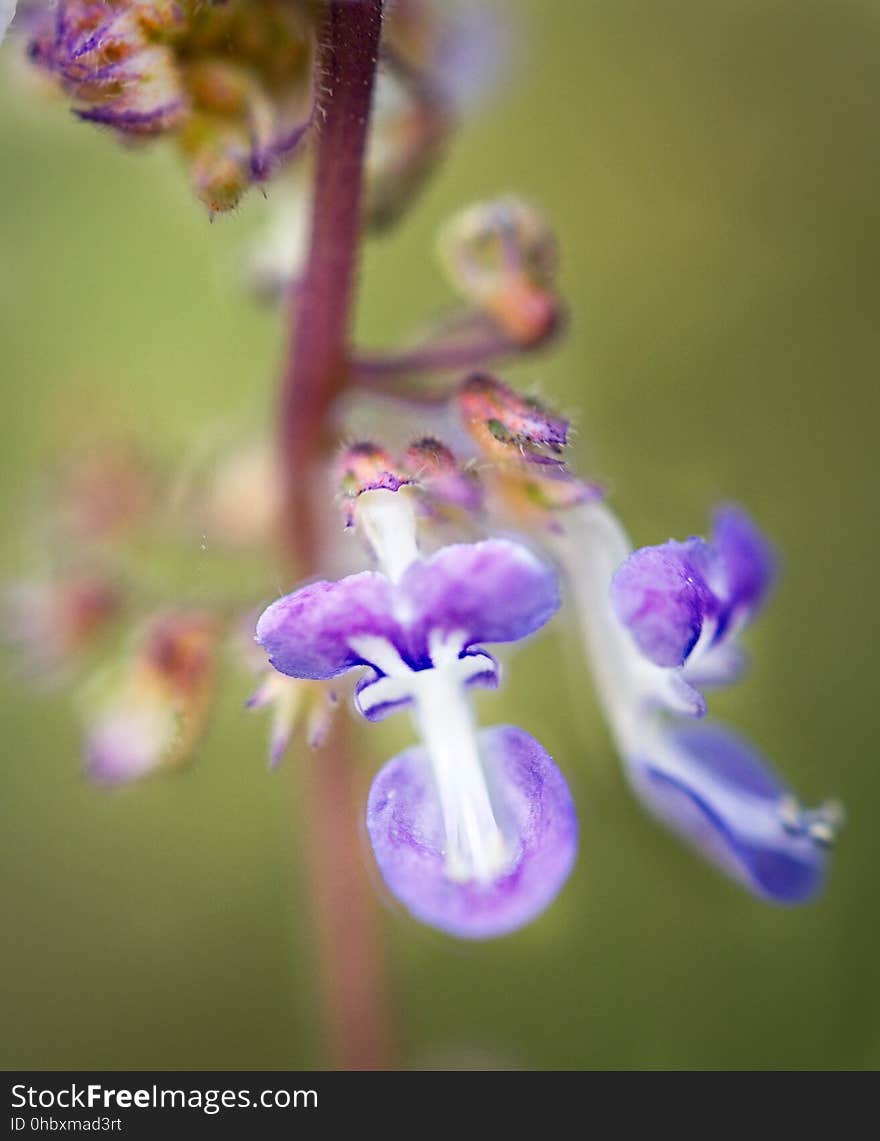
(387, 520)
(475, 847)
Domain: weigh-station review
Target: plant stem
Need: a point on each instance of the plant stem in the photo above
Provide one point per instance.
(316, 367)
(314, 375)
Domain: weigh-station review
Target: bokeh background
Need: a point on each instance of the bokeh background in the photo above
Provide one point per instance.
(713, 169)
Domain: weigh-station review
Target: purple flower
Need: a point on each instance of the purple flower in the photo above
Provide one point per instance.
(473, 832)
(657, 622)
(683, 601)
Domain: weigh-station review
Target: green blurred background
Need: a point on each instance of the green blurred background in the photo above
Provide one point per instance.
(713, 169)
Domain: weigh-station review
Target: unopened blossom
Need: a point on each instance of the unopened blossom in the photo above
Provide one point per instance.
(502, 256)
(365, 466)
(442, 487)
(230, 82)
(445, 482)
(519, 444)
(233, 84)
(660, 622)
(474, 831)
(153, 715)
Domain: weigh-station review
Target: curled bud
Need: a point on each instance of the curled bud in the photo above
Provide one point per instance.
(154, 715)
(436, 471)
(523, 440)
(502, 256)
(493, 412)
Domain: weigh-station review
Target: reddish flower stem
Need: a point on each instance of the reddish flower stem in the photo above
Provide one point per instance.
(315, 372)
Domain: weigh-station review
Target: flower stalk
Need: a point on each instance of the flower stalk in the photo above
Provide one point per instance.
(314, 374)
(321, 310)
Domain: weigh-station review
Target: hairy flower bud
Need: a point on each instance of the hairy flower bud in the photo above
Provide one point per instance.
(154, 715)
(367, 467)
(522, 439)
(502, 256)
(231, 81)
(437, 472)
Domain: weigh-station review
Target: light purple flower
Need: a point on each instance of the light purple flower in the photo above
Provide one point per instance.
(683, 601)
(473, 832)
(658, 622)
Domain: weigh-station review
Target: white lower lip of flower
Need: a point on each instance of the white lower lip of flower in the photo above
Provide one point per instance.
(475, 846)
(387, 520)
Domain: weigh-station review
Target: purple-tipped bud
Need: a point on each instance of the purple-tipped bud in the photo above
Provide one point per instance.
(436, 471)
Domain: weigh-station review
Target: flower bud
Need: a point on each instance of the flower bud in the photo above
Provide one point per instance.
(154, 715)
(367, 467)
(230, 81)
(502, 256)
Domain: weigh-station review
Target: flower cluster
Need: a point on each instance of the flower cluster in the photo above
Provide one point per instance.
(467, 527)
(231, 82)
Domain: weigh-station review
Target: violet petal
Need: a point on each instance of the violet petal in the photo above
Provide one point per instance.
(713, 789)
(534, 809)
